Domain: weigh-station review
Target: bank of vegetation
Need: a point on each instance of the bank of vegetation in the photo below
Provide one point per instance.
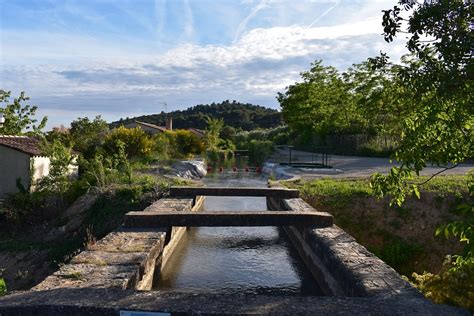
(411, 238)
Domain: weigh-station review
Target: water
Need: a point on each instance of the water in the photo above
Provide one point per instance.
(256, 260)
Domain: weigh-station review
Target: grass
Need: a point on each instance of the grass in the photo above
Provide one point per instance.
(337, 193)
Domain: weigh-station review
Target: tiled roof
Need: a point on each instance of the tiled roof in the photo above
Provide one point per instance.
(197, 132)
(151, 126)
(28, 145)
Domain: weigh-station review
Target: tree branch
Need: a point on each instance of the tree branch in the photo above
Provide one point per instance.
(437, 173)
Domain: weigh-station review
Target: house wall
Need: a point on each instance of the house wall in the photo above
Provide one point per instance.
(40, 167)
(13, 165)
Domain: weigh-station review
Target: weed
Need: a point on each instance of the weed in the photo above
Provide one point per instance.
(3, 287)
(75, 276)
(21, 274)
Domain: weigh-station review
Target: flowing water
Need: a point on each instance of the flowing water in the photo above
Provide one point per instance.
(257, 260)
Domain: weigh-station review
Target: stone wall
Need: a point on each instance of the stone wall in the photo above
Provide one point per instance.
(126, 258)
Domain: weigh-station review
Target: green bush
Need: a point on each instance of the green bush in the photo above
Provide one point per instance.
(3, 287)
(161, 145)
(20, 204)
(212, 155)
(452, 285)
(58, 180)
(184, 143)
(398, 253)
(259, 151)
(137, 142)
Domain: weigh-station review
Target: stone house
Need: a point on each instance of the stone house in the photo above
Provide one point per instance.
(21, 158)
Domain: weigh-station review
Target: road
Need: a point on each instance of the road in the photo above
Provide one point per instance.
(353, 166)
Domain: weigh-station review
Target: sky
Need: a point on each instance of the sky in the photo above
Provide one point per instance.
(124, 58)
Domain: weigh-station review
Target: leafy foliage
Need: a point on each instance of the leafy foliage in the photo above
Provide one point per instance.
(243, 116)
(452, 285)
(3, 287)
(437, 125)
(18, 117)
(61, 160)
(259, 151)
(318, 105)
(213, 131)
(184, 143)
(136, 142)
(363, 100)
(88, 136)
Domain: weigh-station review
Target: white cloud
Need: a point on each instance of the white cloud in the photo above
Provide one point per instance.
(260, 63)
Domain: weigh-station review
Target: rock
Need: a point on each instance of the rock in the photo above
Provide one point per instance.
(191, 169)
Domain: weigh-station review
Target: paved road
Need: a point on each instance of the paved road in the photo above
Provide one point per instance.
(353, 166)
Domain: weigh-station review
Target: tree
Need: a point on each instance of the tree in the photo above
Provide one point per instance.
(213, 131)
(19, 118)
(88, 136)
(437, 126)
(61, 159)
(438, 120)
(319, 105)
(136, 142)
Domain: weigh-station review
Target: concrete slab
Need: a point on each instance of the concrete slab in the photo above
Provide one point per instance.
(233, 191)
(226, 218)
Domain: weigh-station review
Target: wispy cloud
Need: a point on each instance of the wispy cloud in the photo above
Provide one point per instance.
(243, 24)
(324, 14)
(123, 73)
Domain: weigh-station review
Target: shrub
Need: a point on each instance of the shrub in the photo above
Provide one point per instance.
(259, 151)
(452, 285)
(184, 143)
(161, 145)
(61, 158)
(137, 142)
(3, 287)
(20, 204)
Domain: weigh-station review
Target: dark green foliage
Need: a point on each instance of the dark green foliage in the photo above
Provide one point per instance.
(18, 205)
(397, 253)
(279, 135)
(238, 115)
(259, 151)
(436, 99)
(88, 136)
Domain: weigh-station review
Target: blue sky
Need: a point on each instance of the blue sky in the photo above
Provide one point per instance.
(123, 58)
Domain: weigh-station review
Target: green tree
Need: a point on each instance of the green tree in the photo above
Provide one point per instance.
(319, 105)
(437, 126)
(213, 131)
(138, 144)
(438, 118)
(88, 135)
(61, 159)
(19, 118)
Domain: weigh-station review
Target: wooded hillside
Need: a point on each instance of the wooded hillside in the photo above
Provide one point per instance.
(239, 115)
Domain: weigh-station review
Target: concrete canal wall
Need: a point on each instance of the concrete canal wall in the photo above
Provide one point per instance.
(104, 279)
(342, 266)
(126, 258)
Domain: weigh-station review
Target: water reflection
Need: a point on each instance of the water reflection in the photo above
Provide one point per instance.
(258, 260)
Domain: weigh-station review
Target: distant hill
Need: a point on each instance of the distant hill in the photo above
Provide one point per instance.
(239, 115)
